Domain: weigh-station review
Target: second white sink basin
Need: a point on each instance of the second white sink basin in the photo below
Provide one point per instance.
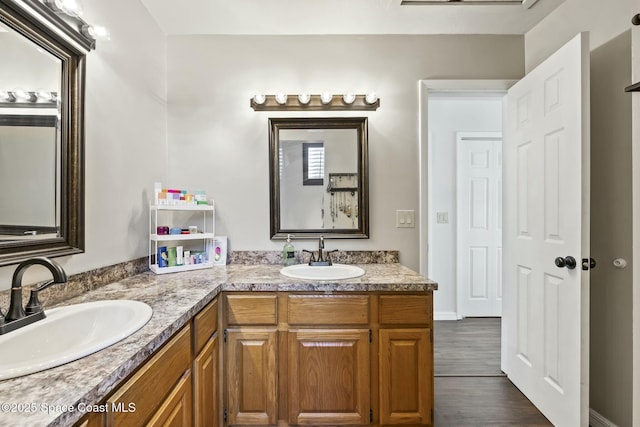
(69, 333)
(331, 272)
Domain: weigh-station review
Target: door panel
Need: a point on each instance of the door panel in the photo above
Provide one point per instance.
(479, 229)
(329, 377)
(546, 211)
(406, 376)
(252, 377)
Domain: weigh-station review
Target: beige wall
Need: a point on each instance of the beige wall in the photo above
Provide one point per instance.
(218, 143)
(611, 288)
(603, 19)
(125, 137)
(611, 309)
(635, 70)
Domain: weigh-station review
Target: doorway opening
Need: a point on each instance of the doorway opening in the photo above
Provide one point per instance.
(464, 199)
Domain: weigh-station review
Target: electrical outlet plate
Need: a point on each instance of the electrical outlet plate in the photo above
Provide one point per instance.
(405, 219)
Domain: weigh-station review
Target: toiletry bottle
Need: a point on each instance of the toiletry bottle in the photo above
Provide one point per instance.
(288, 252)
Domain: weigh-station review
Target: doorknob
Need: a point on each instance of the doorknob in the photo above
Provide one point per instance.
(569, 262)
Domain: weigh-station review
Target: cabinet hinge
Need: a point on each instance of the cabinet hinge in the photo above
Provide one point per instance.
(370, 336)
(224, 416)
(370, 415)
(224, 336)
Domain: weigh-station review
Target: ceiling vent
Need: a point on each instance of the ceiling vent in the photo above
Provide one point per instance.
(525, 3)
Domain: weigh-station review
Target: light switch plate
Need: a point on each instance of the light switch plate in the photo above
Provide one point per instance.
(442, 217)
(405, 219)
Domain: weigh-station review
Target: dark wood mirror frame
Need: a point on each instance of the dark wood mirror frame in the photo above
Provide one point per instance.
(357, 123)
(71, 50)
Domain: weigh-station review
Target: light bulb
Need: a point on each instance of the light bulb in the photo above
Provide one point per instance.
(304, 98)
(22, 94)
(44, 95)
(371, 98)
(348, 98)
(326, 97)
(259, 98)
(70, 7)
(96, 32)
(281, 98)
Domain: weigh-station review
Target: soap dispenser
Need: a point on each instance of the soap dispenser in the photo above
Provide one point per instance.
(288, 252)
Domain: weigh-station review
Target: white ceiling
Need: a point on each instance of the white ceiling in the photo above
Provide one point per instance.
(281, 17)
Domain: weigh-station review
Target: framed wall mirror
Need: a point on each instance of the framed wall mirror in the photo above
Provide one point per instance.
(41, 132)
(318, 182)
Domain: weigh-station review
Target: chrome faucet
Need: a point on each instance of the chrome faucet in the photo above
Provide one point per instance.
(17, 317)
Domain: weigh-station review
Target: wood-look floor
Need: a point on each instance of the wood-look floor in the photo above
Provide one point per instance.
(470, 389)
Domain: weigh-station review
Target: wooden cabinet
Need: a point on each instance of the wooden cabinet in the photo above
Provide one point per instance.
(405, 376)
(251, 364)
(206, 384)
(328, 359)
(405, 360)
(155, 387)
(328, 376)
(314, 359)
(176, 410)
(252, 376)
(289, 359)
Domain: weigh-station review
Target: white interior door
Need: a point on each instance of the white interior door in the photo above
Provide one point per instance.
(546, 216)
(479, 205)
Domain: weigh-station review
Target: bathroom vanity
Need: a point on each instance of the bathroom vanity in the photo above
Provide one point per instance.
(269, 350)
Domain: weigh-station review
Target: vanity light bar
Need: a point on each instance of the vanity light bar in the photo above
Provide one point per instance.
(28, 97)
(305, 102)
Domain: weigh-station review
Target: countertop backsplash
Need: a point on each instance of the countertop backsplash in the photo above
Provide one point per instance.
(81, 283)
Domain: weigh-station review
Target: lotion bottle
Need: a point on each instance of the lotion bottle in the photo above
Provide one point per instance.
(288, 252)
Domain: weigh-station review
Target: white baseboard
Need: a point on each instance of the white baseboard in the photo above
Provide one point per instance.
(597, 420)
(445, 315)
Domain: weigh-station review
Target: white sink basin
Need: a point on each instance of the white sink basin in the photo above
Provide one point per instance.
(331, 272)
(69, 333)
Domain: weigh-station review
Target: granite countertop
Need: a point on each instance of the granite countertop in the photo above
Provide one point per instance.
(58, 396)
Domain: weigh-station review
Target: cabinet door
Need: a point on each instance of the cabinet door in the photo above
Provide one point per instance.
(252, 377)
(141, 396)
(205, 368)
(176, 410)
(406, 380)
(329, 377)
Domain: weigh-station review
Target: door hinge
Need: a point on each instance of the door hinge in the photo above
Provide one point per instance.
(370, 336)
(432, 416)
(431, 335)
(224, 336)
(224, 416)
(370, 415)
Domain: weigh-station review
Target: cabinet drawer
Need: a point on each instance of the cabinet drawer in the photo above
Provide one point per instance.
(243, 310)
(152, 383)
(328, 309)
(205, 323)
(406, 309)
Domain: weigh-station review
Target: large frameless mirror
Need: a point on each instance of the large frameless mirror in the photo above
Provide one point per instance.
(319, 177)
(41, 133)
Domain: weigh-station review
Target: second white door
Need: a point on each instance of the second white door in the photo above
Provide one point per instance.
(479, 189)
